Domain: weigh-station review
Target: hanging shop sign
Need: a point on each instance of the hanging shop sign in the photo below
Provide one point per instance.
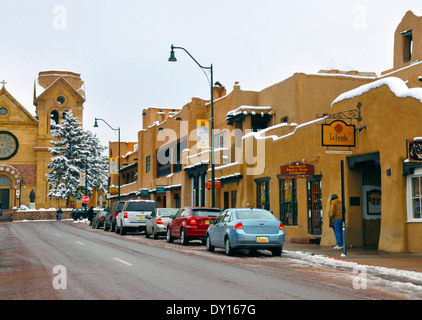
(338, 134)
(297, 169)
(414, 150)
(218, 185)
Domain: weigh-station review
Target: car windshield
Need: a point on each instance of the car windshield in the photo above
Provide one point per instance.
(141, 206)
(254, 214)
(205, 212)
(165, 212)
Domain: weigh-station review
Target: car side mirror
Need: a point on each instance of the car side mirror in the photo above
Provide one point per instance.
(212, 221)
(171, 216)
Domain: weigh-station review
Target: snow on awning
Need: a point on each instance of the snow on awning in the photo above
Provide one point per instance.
(240, 113)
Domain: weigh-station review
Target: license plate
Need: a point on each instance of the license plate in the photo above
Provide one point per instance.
(207, 222)
(141, 217)
(261, 239)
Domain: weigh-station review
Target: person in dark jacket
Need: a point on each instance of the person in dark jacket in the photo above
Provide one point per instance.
(59, 213)
(91, 213)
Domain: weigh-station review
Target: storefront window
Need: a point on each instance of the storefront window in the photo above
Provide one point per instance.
(288, 202)
(263, 193)
(414, 196)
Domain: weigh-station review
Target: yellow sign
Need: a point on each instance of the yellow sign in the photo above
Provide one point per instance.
(338, 134)
(113, 190)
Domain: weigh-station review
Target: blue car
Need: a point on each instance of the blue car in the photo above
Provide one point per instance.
(246, 228)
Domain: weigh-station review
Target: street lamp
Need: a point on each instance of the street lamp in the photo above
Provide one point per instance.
(118, 161)
(173, 59)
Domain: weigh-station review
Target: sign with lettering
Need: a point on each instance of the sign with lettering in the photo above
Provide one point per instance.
(338, 134)
(414, 150)
(297, 169)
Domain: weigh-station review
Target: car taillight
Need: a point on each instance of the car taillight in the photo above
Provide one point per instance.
(281, 226)
(115, 214)
(192, 221)
(125, 215)
(159, 221)
(238, 225)
(101, 218)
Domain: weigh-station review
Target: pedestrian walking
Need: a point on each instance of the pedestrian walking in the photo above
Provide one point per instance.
(337, 216)
(59, 213)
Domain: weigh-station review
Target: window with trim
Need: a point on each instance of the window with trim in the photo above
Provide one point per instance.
(414, 196)
(263, 193)
(148, 164)
(408, 45)
(288, 202)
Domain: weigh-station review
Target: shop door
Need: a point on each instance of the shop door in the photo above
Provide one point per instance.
(315, 206)
(4, 198)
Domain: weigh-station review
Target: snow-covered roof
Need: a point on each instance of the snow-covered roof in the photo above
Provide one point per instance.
(248, 109)
(396, 86)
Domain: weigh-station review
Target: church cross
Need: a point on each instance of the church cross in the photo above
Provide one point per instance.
(3, 83)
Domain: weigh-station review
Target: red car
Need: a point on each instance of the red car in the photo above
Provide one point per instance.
(191, 223)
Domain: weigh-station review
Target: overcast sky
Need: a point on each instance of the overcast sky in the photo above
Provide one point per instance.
(121, 48)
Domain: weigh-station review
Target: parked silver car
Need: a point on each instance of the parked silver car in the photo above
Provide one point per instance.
(133, 215)
(246, 228)
(157, 222)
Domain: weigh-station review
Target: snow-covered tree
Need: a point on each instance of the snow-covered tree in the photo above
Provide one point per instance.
(96, 163)
(75, 152)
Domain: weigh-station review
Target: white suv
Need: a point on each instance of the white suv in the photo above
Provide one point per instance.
(133, 215)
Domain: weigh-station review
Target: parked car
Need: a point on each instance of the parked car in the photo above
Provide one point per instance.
(110, 218)
(98, 220)
(156, 224)
(133, 215)
(79, 213)
(246, 228)
(191, 223)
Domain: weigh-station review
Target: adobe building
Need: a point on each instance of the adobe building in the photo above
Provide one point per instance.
(25, 139)
(281, 148)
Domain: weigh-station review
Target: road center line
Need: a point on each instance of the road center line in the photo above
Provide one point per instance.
(82, 244)
(123, 261)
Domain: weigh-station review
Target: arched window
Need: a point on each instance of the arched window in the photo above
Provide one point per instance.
(54, 119)
(4, 182)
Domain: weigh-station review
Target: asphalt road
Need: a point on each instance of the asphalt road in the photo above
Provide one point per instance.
(68, 261)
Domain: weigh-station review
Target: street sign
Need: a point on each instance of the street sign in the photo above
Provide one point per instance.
(85, 199)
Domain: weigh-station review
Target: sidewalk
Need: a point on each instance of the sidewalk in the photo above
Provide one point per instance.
(364, 256)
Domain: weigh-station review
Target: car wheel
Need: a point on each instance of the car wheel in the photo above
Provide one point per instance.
(228, 248)
(146, 232)
(276, 252)
(105, 226)
(122, 229)
(93, 225)
(183, 239)
(169, 238)
(154, 234)
(112, 227)
(208, 245)
(80, 217)
(116, 228)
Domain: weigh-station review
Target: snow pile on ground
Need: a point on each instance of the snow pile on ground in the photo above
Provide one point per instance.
(407, 283)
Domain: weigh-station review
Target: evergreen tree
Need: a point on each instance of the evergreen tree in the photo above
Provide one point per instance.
(96, 163)
(75, 152)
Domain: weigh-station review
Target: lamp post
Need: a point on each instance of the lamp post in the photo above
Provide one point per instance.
(173, 59)
(118, 161)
